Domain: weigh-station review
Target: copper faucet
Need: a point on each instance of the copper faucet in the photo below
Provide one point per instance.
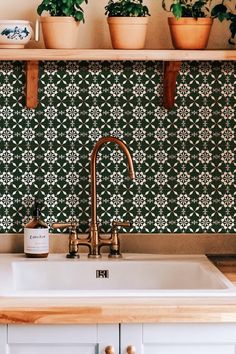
(94, 241)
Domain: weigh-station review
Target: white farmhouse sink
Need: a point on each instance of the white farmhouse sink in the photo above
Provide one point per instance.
(133, 275)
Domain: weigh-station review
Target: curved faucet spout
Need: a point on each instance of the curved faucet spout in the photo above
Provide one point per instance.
(93, 171)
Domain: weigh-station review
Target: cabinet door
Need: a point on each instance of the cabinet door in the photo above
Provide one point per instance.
(3, 339)
(61, 339)
(179, 338)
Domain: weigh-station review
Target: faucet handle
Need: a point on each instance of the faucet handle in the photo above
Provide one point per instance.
(64, 225)
(115, 242)
(117, 223)
(73, 246)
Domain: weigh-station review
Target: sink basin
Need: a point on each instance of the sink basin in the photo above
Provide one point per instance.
(133, 275)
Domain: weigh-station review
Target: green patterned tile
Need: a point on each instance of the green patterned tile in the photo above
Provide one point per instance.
(184, 159)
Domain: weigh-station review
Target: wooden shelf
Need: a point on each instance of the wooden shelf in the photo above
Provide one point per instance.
(114, 54)
(171, 57)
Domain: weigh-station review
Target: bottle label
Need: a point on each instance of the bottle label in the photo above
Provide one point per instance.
(36, 241)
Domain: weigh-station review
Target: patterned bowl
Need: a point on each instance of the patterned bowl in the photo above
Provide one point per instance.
(15, 33)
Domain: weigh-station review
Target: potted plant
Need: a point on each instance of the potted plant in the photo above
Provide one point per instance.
(61, 27)
(191, 25)
(127, 20)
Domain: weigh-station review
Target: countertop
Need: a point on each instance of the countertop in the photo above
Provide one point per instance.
(226, 264)
(123, 310)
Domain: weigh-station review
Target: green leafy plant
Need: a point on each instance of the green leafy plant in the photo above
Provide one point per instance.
(188, 8)
(126, 8)
(63, 8)
(226, 11)
(201, 8)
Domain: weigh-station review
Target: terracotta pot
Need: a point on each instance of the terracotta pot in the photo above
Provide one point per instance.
(59, 32)
(128, 32)
(190, 33)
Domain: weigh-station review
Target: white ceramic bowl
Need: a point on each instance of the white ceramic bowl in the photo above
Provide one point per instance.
(15, 33)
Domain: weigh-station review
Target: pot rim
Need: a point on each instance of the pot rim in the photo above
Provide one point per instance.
(127, 19)
(57, 19)
(190, 20)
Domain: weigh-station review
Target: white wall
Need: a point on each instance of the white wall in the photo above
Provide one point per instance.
(94, 33)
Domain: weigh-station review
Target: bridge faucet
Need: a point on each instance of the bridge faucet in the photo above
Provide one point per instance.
(94, 241)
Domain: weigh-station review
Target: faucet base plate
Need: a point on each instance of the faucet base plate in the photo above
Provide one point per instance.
(118, 255)
(94, 256)
(72, 255)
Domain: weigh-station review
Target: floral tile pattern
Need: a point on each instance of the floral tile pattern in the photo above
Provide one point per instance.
(184, 159)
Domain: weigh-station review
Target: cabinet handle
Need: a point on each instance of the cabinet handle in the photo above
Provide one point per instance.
(109, 350)
(131, 349)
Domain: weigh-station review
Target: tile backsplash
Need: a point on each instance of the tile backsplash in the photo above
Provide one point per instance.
(184, 158)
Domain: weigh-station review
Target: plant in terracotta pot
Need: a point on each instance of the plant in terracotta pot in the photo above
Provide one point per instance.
(191, 25)
(60, 28)
(127, 20)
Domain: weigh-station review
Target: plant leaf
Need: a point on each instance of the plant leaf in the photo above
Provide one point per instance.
(176, 9)
(218, 10)
(79, 16)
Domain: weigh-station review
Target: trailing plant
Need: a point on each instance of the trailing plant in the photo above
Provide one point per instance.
(126, 8)
(63, 8)
(224, 10)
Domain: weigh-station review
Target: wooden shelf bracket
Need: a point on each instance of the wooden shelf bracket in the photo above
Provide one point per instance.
(171, 71)
(32, 77)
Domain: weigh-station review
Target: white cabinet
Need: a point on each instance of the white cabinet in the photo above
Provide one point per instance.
(58, 339)
(166, 338)
(163, 338)
(3, 338)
